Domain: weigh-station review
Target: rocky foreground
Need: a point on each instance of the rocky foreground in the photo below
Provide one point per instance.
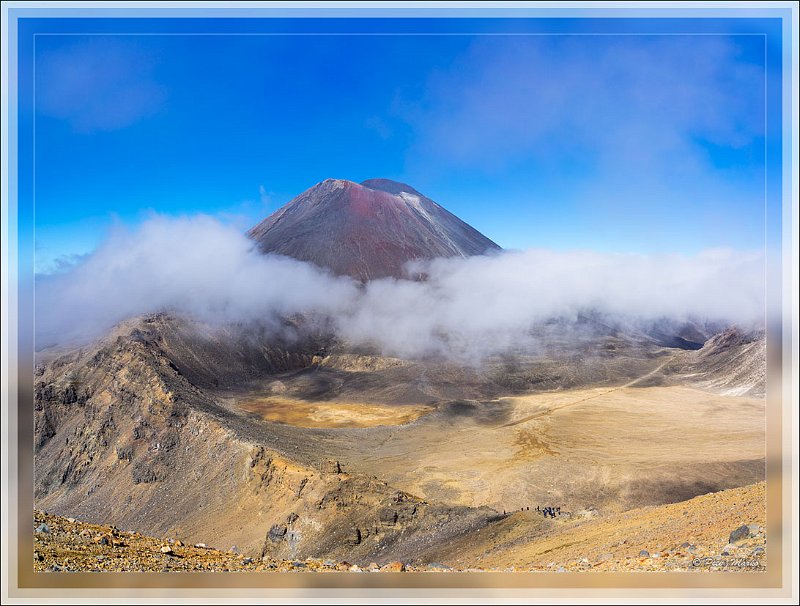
(719, 531)
(67, 545)
(723, 531)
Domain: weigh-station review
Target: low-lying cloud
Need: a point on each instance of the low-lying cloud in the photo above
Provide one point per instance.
(466, 308)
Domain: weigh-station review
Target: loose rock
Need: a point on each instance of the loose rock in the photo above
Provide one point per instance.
(739, 534)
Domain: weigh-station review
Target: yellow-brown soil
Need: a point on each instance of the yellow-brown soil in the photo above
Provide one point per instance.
(691, 535)
(613, 449)
(329, 414)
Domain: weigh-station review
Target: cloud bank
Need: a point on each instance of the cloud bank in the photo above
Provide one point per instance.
(466, 308)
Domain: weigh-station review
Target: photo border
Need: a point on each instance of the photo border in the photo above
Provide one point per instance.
(21, 582)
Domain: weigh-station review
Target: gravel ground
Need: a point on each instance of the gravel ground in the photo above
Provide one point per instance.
(67, 545)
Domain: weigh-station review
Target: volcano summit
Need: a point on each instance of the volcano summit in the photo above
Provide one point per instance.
(368, 230)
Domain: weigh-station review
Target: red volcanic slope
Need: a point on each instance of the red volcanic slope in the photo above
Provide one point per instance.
(368, 230)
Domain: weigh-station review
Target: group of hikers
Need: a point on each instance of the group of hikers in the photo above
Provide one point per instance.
(548, 512)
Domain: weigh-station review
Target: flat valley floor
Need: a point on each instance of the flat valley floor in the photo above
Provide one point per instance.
(571, 449)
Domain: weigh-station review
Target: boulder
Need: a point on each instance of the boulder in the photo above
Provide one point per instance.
(277, 533)
(739, 534)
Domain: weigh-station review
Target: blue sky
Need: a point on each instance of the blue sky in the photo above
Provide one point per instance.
(625, 143)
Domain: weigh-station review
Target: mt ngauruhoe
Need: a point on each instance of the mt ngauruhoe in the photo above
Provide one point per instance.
(368, 230)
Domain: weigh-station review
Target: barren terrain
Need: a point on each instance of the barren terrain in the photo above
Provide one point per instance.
(613, 448)
(310, 449)
(690, 536)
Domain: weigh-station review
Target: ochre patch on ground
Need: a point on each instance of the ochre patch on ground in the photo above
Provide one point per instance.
(330, 414)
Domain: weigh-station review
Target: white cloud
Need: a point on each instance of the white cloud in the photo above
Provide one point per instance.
(620, 98)
(97, 84)
(466, 309)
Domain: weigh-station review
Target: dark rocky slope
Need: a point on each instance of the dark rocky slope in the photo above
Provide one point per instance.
(368, 230)
(124, 437)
